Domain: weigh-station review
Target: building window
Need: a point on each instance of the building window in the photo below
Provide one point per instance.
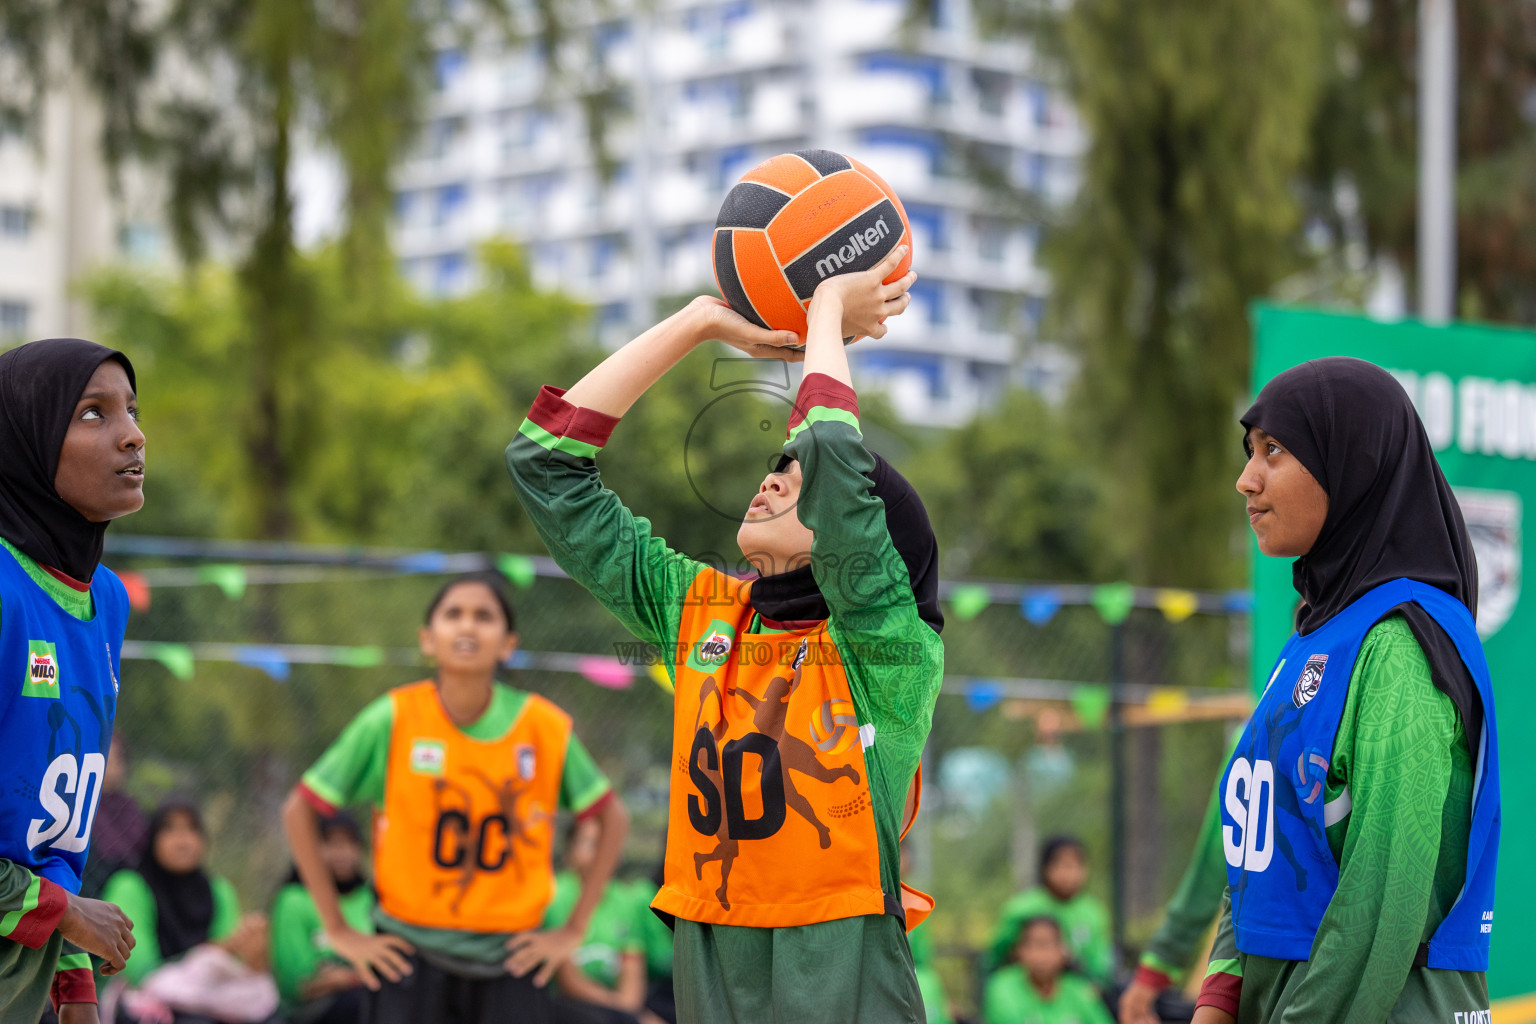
(449, 274)
(450, 200)
(15, 221)
(13, 319)
(991, 240)
(991, 92)
(931, 296)
(447, 69)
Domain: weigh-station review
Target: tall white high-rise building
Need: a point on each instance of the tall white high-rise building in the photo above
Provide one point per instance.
(967, 131)
(61, 218)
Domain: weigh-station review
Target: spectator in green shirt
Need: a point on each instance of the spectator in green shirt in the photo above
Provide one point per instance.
(604, 980)
(176, 906)
(1061, 896)
(1036, 988)
(317, 986)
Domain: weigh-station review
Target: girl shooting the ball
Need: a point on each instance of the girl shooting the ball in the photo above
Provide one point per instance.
(803, 696)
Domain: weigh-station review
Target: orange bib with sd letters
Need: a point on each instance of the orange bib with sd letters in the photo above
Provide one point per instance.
(465, 837)
(770, 818)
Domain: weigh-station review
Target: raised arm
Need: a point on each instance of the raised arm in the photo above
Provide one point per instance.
(585, 526)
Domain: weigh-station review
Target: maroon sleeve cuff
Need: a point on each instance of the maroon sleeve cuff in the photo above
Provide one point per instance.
(552, 412)
(39, 923)
(75, 986)
(325, 808)
(1152, 978)
(1221, 991)
(820, 390)
(597, 806)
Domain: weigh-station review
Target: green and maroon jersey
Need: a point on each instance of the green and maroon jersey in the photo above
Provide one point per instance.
(645, 583)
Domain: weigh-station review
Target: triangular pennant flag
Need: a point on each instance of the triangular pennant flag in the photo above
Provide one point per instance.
(228, 578)
(1168, 700)
(1113, 601)
(423, 561)
(138, 589)
(1177, 605)
(1238, 601)
(1091, 705)
(1040, 606)
(358, 657)
(658, 673)
(269, 659)
(520, 659)
(177, 658)
(983, 695)
(606, 672)
(517, 568)
(969, 600)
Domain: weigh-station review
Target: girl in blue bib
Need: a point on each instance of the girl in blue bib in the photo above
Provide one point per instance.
(1360, 809)
(71, 461)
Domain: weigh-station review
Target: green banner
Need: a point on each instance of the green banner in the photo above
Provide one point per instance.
(1475, 389)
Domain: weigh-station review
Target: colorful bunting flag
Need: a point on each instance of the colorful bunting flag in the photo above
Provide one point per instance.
(423, 562)
(604, 671)
(1113, 601)
(268, 659)
(658, 673)
(1168, 700)
(228, 578)
(1177, 605)
(1040, 606)
(969, 600)
(359, 657)
(138, 590)
(1091, 705)
(517, 568)
(177, 658)
(983, 695)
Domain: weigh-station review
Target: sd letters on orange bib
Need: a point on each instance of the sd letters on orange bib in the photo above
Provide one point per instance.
(464, 840)
(771, 823)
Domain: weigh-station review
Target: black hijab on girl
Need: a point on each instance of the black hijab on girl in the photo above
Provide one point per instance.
(40, 384)
(183, 900)
(793, 596)
(1391, 513)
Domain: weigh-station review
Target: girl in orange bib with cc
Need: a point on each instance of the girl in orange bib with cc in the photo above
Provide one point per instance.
(466, 777)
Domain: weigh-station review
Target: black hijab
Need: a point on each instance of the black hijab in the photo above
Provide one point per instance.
(1391, 513)
(793, 596)
(39, 386)
(183, 900)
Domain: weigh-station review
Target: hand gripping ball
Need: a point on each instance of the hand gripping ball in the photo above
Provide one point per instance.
(795, 220)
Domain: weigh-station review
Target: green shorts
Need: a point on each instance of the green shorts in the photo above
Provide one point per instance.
(854, 971)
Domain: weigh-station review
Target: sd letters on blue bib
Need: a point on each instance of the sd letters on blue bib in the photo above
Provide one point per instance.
(1274, 808)
(58, 697)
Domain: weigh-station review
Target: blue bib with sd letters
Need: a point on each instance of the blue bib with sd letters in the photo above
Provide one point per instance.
(1274, 808)
(58, 697)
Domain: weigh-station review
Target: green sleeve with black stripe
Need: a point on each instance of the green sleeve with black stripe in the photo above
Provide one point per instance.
(591, 535)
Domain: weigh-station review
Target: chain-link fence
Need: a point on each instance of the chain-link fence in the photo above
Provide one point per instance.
(245, 661)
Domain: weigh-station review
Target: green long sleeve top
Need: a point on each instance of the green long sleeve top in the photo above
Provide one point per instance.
(133, 896)
(1084, 927)
(1402, 754)
(643, 582)
(1011, 998)
(299, 943)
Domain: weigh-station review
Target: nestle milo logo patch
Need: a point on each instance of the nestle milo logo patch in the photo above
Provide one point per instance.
(42, 679)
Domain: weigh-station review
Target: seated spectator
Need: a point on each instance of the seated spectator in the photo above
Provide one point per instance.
(656, 936)
(119, 829)
(1060, 895)
(316, 986)
(604, 981)
(196, 957)
(1035, 987)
